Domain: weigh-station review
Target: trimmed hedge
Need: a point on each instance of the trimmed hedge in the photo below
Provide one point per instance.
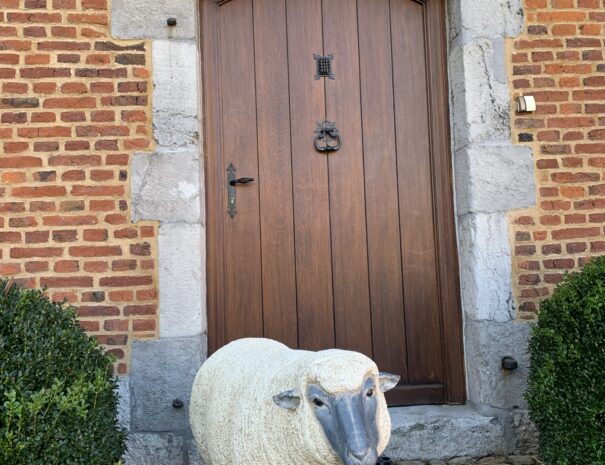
(57, 395)
(566, 392)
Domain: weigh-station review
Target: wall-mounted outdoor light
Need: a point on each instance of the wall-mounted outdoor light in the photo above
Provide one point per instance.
(526, 104)
(509, 363)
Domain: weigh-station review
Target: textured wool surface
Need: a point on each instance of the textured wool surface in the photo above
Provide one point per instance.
(234, 418)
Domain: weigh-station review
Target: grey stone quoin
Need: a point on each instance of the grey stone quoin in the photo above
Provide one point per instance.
(492, 177)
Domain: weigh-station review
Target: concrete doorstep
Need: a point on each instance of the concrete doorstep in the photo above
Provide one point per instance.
(443, 432)
(511, 460)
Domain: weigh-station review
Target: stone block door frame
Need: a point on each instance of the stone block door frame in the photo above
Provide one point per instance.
(168, 186)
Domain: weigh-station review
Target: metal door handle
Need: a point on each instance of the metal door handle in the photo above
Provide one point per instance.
(233, 182)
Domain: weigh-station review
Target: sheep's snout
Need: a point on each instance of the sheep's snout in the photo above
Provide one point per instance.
(362, 457)
(349, 421)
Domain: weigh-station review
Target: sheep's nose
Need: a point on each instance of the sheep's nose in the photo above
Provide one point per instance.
(362, 456)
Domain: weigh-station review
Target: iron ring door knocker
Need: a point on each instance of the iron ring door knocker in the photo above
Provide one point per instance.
(327, 137)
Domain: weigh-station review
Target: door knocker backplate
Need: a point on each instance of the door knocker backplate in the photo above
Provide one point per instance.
(327, 137)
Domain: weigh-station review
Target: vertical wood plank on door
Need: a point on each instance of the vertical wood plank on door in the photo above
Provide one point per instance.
(275, 172)
(382, 200)
(214, 172)
(310, 179)
(243, 299)
(347, 194)
(444, 207)
(423, 332)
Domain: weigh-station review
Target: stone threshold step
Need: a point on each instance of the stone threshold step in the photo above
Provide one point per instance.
(431, 432)
(510, 460)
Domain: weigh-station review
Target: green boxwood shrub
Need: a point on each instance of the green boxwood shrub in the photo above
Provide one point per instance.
(566, 392)
(57, 395)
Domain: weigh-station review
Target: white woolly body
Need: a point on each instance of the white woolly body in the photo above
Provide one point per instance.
(233, 416)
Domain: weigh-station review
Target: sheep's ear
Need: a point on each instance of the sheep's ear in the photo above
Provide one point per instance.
(289, 400)
(387, 381)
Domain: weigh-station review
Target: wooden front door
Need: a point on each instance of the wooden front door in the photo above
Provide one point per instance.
(353, 248)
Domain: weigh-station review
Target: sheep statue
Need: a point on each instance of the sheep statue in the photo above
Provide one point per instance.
(257, 402)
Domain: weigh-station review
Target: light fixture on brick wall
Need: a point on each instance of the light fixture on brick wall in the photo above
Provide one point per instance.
(526, 104)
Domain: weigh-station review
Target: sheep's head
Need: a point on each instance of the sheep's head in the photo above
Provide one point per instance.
(348, 416)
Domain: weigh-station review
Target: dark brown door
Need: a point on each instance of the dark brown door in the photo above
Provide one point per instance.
(353, 248)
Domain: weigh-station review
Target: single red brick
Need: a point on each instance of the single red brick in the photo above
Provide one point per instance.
(43, 117)
(73, 175)
(598, 162)
(64, 32)
(564, 29)
(113, 340)
(106, 145)
(9, 269)
(102, 87)
(74, 88)
(16, 45)
(10, 237)
(567, 177)
(574, 233)
(102, 205)
(145, 295)
(140, 310)
(551, 249)
(68, 235)
(552, 205)
(95, 235)
(554, 278)
(575, 218)
(143, 325)
(89, 325)
(95, 251)
(75, 160)
(78, 220)
(36, 267)
(590, 148)
(96, 267)
(571, 122)
(36, 252)
(116, 325)
(23, 222)
(573, 192)
(126, 233)
(35, 237)
(575, 247)
(117, 159)
(126, 281)
(121, 296)
(72, 205)
(563, 16)
(45, 87)
(94, 4)
(67, 266)
(97, 190)
(596, 217)
(41, 206)
(124, 265)
(70, 102)
(116, 219)
(39, 191)
(98, 59)
(101, 175)
(102, 116)
(97, 310)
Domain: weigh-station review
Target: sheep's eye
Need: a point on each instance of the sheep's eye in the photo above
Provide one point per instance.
(318, 402)
(370, 393)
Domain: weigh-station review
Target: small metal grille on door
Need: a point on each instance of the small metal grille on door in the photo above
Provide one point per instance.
(324, 66)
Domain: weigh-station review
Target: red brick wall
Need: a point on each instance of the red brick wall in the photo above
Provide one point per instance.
(74, 105)
(559, 59)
